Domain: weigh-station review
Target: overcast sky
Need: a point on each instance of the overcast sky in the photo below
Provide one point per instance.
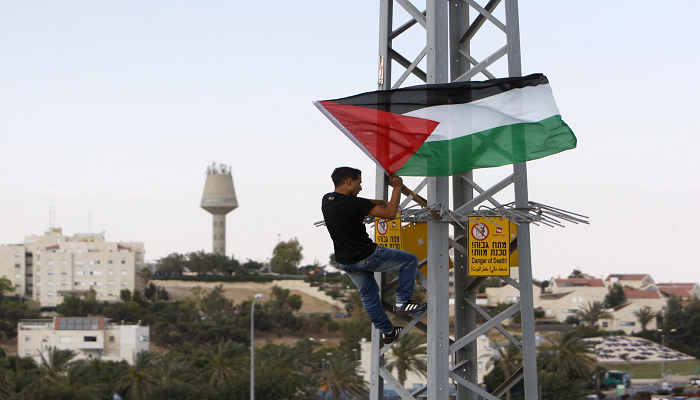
(110, 112)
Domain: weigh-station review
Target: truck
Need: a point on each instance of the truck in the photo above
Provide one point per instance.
(613, 378)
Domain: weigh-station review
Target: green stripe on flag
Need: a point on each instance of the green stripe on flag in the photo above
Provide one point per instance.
(495, 147)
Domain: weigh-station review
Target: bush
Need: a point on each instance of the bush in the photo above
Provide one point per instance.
(678, 390)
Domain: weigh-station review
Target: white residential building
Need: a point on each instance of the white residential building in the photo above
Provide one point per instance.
(89, 337)
(51, 266)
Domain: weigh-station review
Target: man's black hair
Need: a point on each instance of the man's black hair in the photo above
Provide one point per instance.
(341, 174)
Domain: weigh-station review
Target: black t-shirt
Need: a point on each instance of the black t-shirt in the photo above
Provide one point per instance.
(344, 216)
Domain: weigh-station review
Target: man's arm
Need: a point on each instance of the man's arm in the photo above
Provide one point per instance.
(389, 211)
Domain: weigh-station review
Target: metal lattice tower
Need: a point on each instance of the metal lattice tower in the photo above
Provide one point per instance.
(450, 35)
(219, 199)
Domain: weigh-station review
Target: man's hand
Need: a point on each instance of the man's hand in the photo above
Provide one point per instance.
(396, 181)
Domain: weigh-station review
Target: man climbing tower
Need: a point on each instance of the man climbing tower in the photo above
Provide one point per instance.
(359, 256)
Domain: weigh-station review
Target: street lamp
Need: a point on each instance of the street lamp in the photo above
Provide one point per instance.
(252, 347)
(663, 345)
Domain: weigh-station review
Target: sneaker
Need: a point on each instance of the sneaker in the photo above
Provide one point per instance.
(408, 308)
(388, 338)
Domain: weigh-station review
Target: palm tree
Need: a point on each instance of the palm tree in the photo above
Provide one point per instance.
(78, 381)
(173, 369)
(592, 313)
(644, 316)
(220, 361)
(139, 380)
(568, 354)
(56, 364)
(339, 375)
(408, 355)
(510, 360)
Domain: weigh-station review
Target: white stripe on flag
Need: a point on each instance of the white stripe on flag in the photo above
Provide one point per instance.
(529, 104)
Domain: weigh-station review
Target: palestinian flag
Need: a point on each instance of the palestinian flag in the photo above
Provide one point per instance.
(445, 129)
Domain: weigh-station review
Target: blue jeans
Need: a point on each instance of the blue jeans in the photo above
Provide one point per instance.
(383, 259)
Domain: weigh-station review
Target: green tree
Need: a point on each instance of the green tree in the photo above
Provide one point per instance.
(5, 286)
(510, 360)
(220, 363)
(173, 264)
(644, 316)
(615, 296)
(125, 295)
(568, 353)
(214, 303)
(286, 257)
(209, 263)
(408, 355)
(576, 273)
(252, 265)
(55, 364)
(592, 313)
(139, 381)
(144, 275)
(339, 375)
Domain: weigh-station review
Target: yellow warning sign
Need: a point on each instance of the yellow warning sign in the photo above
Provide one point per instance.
(489, 246)
(513, 245)
(415, 241)
(387, 233)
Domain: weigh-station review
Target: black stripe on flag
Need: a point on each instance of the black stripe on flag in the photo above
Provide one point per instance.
(401, 101)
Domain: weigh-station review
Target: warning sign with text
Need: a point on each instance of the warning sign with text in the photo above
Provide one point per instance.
(489, 247)
(387, 233)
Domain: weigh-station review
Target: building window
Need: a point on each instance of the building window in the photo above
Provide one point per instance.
(27, 338)
(143, 338)
(110, 272)
(64, 262)
(89, 338)
(627, 323)
(27, 353)
(64, 283)
(79, 262)
(110, 283)
(16, 254)
(49, 283)
(49, 272)
(49, 293)
(111, 339)
(65, 339)
(123, 261)
(480, 365)
(124, 283)
(605, 324)
(124, 272)
(80, 273)
(50, 262)
(96, 273)
(64, 272)
(110, 262)
(17, 265)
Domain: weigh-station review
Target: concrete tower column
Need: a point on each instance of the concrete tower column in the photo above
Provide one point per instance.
(219, 199)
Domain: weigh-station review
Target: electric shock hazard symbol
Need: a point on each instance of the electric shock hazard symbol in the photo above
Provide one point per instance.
(489, 247)
(388, 233)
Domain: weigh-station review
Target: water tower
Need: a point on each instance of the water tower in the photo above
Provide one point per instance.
(219, 199)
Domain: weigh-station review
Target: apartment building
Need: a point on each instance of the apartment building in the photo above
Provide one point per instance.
(52, 266)
(89, 337)
(13, 266)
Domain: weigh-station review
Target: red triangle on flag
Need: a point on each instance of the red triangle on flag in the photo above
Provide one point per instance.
(391, 138)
